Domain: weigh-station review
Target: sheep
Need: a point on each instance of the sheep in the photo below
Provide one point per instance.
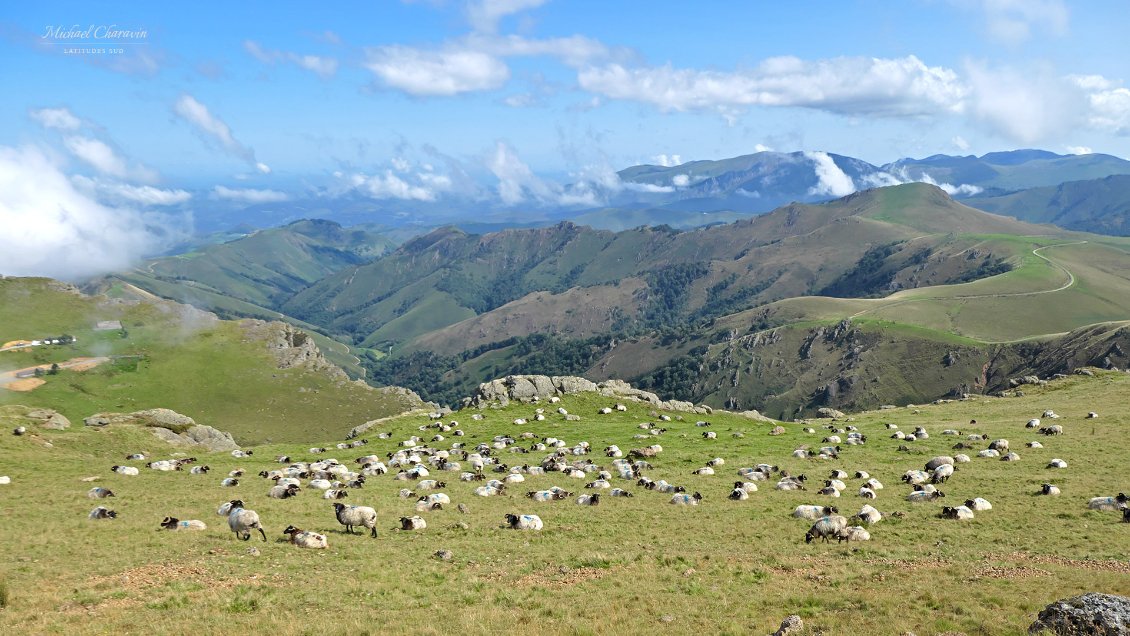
(1050, 490)
(942, 474)
(414, 522)
(125, 470)
(283, 492)
(989, 452)
(683, 499)
(961, 459)
(335, 493)
(1032, 423)
(542, 495)
(747, 486)
(836, 483)
(869, 515)
(1000, 445)
(705, 470)
(1092, 415)
(1126, 515)
(524, 522)
(172, 523)
(136, 457)
(1057, 463)
(920, 496)
(873, 484)
(826, 528)
(229, 482)
(242, 453)
(19, 430)
(941, 460)
(958, 513)
(589, 500)
(320, 484)
(979, 504)
(620, 492)
(436, 498)
(1034, 445)
(1051, 414)
(1052, 430)
(914, 477)
(599, 483)
(1108, 504)
(814, 512)
(789, 484)
(225, 508)
(350, 516)
(99, 493)
(710, 435)
(430, 484)
(862, 474)
(1011, 457)
(101, 512)
(854, 533)
(199, 470)
(304, 539)
(867, 493)
(829, 491)
(242, 521)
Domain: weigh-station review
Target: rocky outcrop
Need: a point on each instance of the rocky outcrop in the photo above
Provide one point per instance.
(1091, 613)
(14, 415)
(204, 437)
(830, 412)
(291, 347)
(165, 418)
(49, 419)
(529, 388)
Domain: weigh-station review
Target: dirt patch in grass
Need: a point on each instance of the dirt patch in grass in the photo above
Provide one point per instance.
(1019, 572)
(1078, 564)
(559, 577)
(24, 384)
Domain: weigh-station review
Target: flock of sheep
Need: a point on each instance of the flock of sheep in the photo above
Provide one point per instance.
(414, 460)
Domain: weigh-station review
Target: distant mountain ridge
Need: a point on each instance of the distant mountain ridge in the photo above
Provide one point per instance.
(1096, 205)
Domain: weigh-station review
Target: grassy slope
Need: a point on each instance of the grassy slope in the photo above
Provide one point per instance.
(192, 364)
(723, 567)
(1097, 205)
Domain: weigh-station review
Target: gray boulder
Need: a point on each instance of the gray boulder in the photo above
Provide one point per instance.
(824, 411)
(205, 437)
(1087, 614)
(50, 419)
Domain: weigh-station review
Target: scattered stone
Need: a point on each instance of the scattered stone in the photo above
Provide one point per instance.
(462, 508)
(666, 618)
(1087, 372)
(791, 624)
(756, 416)
(688, 572)
(253, 551)
(462, 525)
(89, 479)
(444, 555)
(1091, 613)
(50, 419)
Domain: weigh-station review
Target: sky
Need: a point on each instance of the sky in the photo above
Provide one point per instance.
(114, 112)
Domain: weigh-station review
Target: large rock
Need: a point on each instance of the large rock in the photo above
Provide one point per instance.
(50, 419)
(291, 347)
(1091, 613)
(526, 388)
(829, 412)
(204, 437)
(165, 418)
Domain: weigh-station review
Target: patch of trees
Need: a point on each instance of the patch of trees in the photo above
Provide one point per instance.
(677, 379)
(989, 267)
(668, 288)
(867, 278)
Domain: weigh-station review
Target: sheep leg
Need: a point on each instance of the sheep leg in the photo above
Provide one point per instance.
(260, 532)
(374, 532)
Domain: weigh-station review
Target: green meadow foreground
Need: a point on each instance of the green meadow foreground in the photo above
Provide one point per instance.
(628, 565)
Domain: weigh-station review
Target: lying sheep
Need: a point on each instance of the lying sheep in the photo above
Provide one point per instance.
(683, 499)
(1050, 490)
(1011, 457)
(940, 460)
(920, 496)
(867, 493)
(101, 512)
(99, 493)
(854, 533)
(414, 522)
(1108, 504)
(738, 494)
(350, 516)
(1052, 430)
(243, 521)
(706, 470)
(958, 513)
(814, 512)
(1057, 463)
(229, 482)
(304, 539)
(335, 493)
(869, 515)
(524, 522)
(125, 470)
(1034, 445)
(979, 504)
(826, 528)
(283, 492)
(589, 500)
(619, 492)
(172, 523)
(199, 470)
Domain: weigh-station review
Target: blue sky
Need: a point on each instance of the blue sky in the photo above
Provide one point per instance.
(413, 100)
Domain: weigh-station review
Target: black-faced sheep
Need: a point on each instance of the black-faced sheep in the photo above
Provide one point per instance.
(283, 492)
(683, 499)
(826, 528)
(1108, 504)
(99, 493)
(350, 516)
(172, 523)
(524, 522)
(242, 521)
(102, 512)
(1049, 489)
(979, 504)
(589, 500)
(814, 512)
(854, 533)
(920, 496)
(304, 539)
(957, 513)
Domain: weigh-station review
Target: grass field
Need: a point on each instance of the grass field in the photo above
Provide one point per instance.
(633, 566)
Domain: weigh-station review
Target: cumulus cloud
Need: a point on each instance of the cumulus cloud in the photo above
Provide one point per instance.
(436, 73)
(1079, 150)
(485, 14)
(762, 148)
(249, 195)
(322, 66)
(960, 143)
(53, 229)
(516, 181)
(56, 118)
(667, 161)
(574, 51)
(650, 188)
(123, 192)
(681, 180)
(831, 180)
(902, 175)
(391, 186)
(214, 130)
(846, 85)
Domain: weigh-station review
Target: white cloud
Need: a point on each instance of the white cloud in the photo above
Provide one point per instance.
(902, 175)
(322, 66)
(213, 129)
(57, 118)
(115, 191)
(1079, 150)
(97, 154)
(436, 73)
(960, 143)
(485, 14)
(516, 182)
(249, 195)
(574, 51)
(53, 229)
(647, 187)
(680, 180)
(1012, 21)
(391, 186)
(830, 179)
(846, 85)
(1027, 106)
(667, 161)
(762, 148)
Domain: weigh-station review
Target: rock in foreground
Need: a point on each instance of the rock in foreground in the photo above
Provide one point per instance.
(1087, 614)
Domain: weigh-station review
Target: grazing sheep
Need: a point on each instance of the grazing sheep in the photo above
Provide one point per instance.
(172, 523)
(979, 504)
(683, 499)
(920, 496)
(350, 516)
(414, 522)
(869, 515)
(99, 493)
(283, 492)
(1052, 430)
(814, 512)
(941, 460)
(854, 533)
(1108, 504)
(589, 500)
(304, 539)
(826, 528)
(1000, 445)
(942, 474)
(101, 512)
(524, 522)
(1049, 489)
(243, 521)
(1057, 463)
(125, 470)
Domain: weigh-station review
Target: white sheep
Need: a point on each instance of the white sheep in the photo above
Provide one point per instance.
(1108, 504)
(869, 515)
(524, 522)
(99, 493)
(979, 504)
(942, 474)
(305, 539)
(920, 496)
(229, 482)
(854, 533)
(350, 516)
(826, 528)
(873, 484)
(961, 459)
(1049, 489)
(283, 492)
(101, 512)
(125, 470)
(683, 499)
(242, 521)
(172, 523)
(1011, 457)
(814, 512)
(619, 492)
(958, 513)
(1034, 445)
(5, 480)
(589, 500)
(414, 522)
(1057, 463)
(738, 494)
(705, 470)
(867, 493)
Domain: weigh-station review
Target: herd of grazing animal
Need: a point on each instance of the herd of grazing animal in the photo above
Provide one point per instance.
(415, 459)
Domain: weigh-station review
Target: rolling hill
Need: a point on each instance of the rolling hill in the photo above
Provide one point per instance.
(1101, 205)
(1007, 171)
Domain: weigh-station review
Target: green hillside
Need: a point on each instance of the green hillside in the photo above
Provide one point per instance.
(1101, 206)
(173, 356)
